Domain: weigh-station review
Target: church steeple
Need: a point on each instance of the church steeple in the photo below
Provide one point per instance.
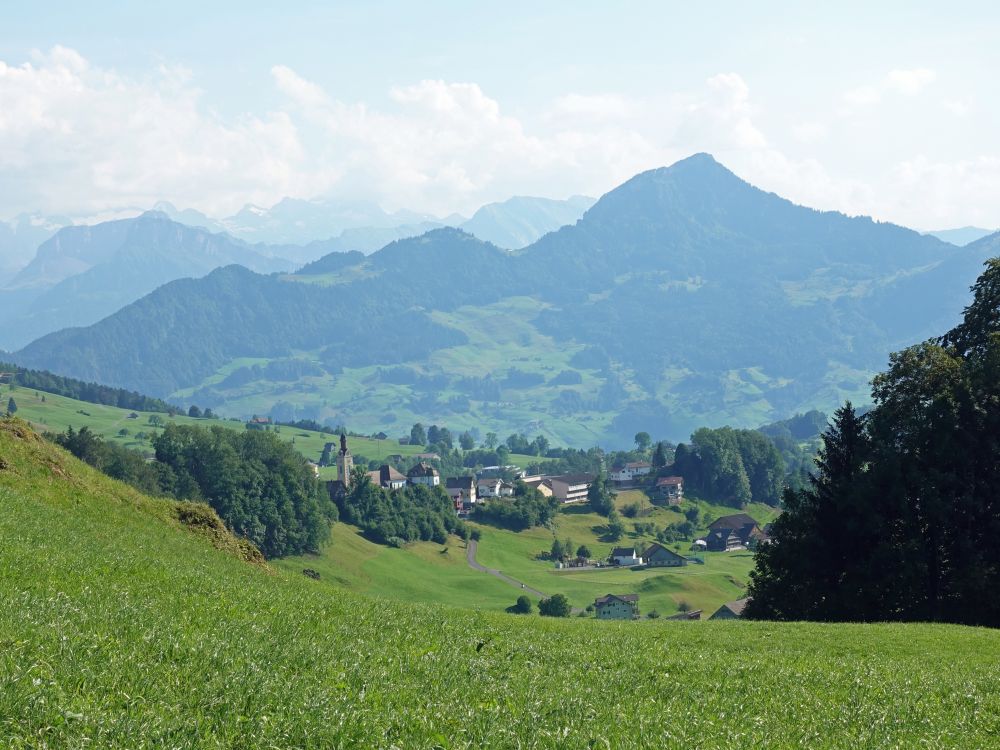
(345, 463)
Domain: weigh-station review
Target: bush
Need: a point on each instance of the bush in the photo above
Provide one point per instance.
(523, 606)
(556, 605)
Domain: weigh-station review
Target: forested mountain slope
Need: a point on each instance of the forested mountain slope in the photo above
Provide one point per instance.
(685, 297)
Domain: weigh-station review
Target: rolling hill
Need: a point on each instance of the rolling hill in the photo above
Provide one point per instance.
(684, 297)
(127, 622)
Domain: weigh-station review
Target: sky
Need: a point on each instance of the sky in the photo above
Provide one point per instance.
(439, 107)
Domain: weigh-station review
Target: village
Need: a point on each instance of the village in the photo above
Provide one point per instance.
(492, 484)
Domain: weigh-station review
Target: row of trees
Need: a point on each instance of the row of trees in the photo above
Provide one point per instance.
(442, 438)
(81, 391)
(902, 519)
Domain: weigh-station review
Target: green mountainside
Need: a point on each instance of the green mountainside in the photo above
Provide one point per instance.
(126, 627)
(685, 297)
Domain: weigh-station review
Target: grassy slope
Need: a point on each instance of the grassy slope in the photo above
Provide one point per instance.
(122, 630)
(706, 587)
(422, 572)
(57, 413)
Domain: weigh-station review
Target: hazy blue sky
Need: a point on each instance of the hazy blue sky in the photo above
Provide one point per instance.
(441, 107)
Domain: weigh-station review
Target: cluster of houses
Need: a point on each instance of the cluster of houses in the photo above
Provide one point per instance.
(669, 489)
(626, 607)
(466, 491)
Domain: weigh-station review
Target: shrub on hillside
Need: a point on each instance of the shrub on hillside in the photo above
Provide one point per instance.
(556, 605)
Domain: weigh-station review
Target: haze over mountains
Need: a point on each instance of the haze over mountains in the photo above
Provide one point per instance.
(961, 236)
(80, 274)
(682, 298)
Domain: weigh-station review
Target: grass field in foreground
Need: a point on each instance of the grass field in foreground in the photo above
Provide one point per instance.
(120, 629)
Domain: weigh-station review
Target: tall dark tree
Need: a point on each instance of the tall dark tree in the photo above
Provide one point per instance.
(902, 521)
(659, 456)
(11, 406)
(801, 574)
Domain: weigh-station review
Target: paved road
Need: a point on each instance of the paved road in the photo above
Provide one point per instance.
(470, 557)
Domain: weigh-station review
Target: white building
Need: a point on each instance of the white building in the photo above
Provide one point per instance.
(627, 557)
(629, 472)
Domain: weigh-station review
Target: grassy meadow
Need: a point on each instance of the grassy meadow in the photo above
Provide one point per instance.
(122, 628)
(52, 413)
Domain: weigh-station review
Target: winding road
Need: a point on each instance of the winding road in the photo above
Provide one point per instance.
(470, 557)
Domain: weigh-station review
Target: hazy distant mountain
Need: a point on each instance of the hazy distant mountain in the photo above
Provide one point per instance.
(189, 216)
(84, 273)
(295, 222)
(519, 221)
(684, 297)
(19, 239)
(961, 236)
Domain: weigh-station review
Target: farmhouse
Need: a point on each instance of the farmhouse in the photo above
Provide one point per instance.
(670, 489)
(489, 487)
(423, 473)
(258, 423)
(387, 478)
(732, 532)
(571, 488)
(625, 556)
(730, 610)
(658, 556)
(461, 489)
(617, 607)
(628, 472)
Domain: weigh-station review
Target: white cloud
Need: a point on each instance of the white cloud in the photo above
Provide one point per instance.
(863, 95)
(78, 139)
(810, 132)
(82, 140)
(907, 82)
(910, 82)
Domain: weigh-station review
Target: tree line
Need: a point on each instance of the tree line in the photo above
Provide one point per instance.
(93, 393)
(902, 518)
(259, 485)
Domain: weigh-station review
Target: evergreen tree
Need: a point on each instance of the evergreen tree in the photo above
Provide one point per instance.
(659, 456)
(802, 575)
(11, 406)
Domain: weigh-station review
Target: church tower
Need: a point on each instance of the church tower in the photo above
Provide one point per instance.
(344, 462)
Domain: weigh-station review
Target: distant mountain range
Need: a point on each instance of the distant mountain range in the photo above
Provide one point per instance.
(83, 274)
(21, 237)
(961, 236)
(684, 297)
(519, 221)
